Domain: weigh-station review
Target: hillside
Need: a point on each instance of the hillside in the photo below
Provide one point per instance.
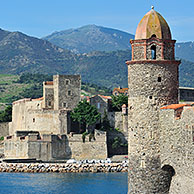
(14, 87)
(185, 50)
(20, 53)
(91, 38)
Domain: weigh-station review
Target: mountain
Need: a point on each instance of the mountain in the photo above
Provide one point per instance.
(91, 38)
(96, 38)
(20, 53)
(185, 50)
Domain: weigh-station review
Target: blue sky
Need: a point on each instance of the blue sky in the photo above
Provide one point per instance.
(42, 17)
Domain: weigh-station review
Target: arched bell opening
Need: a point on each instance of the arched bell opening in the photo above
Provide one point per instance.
(153, 36)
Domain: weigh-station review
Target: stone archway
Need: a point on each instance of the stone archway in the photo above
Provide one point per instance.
(167, 173)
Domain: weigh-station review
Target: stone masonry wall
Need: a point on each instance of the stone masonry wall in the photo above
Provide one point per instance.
(177, 149)
(48, 148)
(89, 150)
(4, 129)
(146, 94)
(27, 116)
(48, 94)
(118, 120)
(67, 90)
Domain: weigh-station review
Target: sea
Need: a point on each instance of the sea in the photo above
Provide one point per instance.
(63, 183)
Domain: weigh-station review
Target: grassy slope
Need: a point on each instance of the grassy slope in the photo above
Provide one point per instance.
(9, 89)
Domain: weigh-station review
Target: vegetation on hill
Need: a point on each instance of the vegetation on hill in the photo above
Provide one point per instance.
(6, 115)
(20, 53)
(29, 85)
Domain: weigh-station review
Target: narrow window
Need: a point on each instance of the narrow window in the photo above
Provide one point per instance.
(193, 134)
(33, 120)
(153, 52)
(69, 93)
(159, 79)
(65, 105)
(49, 103)
(98, 105)
(67, 82)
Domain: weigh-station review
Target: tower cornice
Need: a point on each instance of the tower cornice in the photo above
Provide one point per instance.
(169, 62)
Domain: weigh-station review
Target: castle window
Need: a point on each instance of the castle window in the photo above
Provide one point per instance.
(67, 82)
(69, 93)
(33, 120)
(153, 52)
(159, 79)
(65, 105)
(150, 97)
(49, 103)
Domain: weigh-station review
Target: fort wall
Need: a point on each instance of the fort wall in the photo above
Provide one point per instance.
(177, 148)
(89, 150)
(4, 129)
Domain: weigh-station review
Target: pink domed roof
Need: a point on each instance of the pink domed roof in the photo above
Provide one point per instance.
(153, 24)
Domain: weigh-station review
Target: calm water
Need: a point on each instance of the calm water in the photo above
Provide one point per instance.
(22, 183)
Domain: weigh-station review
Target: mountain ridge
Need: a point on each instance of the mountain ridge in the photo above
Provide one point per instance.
(90, 38)
(20, 53)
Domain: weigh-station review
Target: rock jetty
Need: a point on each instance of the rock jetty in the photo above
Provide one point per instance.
(63, 167)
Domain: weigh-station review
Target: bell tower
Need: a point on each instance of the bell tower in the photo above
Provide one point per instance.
(152, 82)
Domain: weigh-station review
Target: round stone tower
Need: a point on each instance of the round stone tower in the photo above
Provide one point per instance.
(152, 82)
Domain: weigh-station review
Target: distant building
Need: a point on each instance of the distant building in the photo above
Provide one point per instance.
(119, 90)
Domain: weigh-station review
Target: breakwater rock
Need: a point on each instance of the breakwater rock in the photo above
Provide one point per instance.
(63, 167)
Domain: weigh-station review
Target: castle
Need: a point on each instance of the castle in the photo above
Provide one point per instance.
(41, 129)
(161, 131)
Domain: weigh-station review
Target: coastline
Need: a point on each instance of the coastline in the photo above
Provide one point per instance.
(64, 167)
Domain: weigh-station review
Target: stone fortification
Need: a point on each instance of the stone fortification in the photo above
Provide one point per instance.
(4, 129)
(91, 150)
(32, 146)
(67, 89)
(49, 116)
(46, 147)
(152, 83)
(176, 145)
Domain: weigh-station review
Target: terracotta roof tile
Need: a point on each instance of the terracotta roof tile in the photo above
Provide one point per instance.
(49, 83)
(120, 90)
(175, 106)
(41, 98)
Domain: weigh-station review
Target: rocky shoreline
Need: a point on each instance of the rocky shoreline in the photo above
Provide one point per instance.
(63, 167)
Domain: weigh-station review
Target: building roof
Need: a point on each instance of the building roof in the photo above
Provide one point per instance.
(120, 90)
(49, 83)
(175, 106)
(153, 24)
(105, 97)
(37, 99)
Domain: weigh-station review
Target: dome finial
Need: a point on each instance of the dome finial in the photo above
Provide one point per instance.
(152, 7)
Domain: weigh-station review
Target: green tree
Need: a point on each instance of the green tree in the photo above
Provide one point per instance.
(118, 101)
(6, 115)
(85, 114)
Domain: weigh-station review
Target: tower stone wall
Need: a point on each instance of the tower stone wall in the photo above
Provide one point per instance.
(66, 91)
(152, 83)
